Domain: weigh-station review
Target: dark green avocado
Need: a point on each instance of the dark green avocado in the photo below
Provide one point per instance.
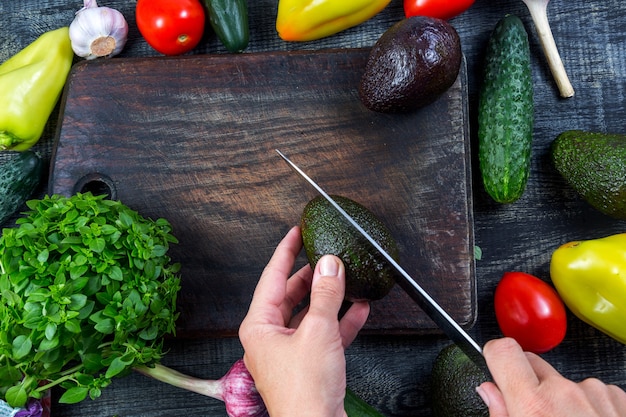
(411, 65)
(594, 164)
(454, 379)
(325, 231)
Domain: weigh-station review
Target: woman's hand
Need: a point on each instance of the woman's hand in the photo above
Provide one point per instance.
(298, 363)
(527, 386)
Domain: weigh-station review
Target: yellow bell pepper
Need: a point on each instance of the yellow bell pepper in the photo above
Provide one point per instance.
(31, 83)
(307, 20)
(590, 277)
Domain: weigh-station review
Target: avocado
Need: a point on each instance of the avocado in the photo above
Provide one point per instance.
(454, 379)
(594, 164)
(369, 276)
(411, 65)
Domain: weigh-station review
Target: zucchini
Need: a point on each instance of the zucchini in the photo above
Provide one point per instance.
(20, 175)
(356, 407)
(506, 112)
(229, 20)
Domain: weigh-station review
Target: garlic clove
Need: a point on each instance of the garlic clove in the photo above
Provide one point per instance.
(98, 32)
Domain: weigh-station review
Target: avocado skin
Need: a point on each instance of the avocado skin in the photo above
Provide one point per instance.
(594, 164)
(325, 231)
(454, 379)
(411, 65)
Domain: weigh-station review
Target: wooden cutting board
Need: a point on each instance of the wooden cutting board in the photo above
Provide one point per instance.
(192, 139)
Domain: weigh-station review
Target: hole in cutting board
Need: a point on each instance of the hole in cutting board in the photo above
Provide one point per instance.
(97, 184)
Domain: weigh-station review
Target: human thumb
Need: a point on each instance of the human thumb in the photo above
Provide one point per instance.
(328, 286)
(492, 397)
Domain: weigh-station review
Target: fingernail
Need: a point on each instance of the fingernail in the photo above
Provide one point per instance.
(328, 266)
(483, 395)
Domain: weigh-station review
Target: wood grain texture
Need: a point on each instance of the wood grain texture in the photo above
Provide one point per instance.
(392, 372)
(193, 140)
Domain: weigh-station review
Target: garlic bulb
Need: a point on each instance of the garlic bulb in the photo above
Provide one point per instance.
(240, 394)
(98, 31)
(236, 388)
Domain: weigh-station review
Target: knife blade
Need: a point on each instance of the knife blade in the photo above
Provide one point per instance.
(441, 318)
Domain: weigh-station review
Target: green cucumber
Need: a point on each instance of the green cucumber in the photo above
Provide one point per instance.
(356, 407)
(229, 20)
(20, 175)
(506, 112)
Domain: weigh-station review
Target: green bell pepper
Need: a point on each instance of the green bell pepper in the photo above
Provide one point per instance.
(31, 83)
(590, 277)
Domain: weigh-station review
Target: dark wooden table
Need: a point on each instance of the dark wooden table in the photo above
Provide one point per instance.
(392, 372)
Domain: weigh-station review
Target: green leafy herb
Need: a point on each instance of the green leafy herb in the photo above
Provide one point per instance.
(478, 253)
(87, 291)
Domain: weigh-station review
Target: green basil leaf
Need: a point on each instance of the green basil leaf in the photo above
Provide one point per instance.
(149, 333)
(22, 346)
(79, 283)
(97, 244)
(116, 273)
(39, 295)
(10, 298)
(47, 345)
(478, 253)
(86, 310)
(149, 270)
(9, 375)
(109, 229)
(116, 367)
(74, 395)
(73, 326)
(85, 379)
(92, 362)
(71, 240)
(125, 220)
(16, 396)
(43, 256)
(51, 330)
(105, 326)
(78, 271)
(78, 301)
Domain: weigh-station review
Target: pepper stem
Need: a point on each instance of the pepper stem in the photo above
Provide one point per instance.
(8, 140)
(539, 13)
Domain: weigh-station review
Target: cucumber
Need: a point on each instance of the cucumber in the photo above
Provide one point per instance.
(356, 407)
(506, 112)
(20, 175)
(229, 20)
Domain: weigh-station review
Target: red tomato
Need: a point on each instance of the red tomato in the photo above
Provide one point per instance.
(530, 311)
(171, 27)
(441, 9)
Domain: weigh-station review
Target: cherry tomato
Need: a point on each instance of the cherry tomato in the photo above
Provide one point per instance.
(530, 311)
(171, 27)
(441, 9)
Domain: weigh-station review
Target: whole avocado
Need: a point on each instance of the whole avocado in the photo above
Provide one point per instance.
(454, 379)
(325, 231)
(594, 164)
(411, 65)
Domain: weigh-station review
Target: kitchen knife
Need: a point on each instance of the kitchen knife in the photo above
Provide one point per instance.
(441, 318)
